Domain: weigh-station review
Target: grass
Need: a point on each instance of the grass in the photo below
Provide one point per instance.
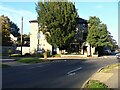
(15, 55)
(96, 85)
(4, 66)
(56, 55)
(30, 60)
(110, 67)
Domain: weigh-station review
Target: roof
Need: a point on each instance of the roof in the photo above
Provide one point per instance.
(33, 21)
(80, 20)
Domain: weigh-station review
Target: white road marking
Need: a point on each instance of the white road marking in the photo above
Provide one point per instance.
(35, 67)
(73, 71)
(70, 74)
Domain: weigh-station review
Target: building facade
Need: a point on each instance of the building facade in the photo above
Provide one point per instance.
(38, 41)
(79, 44)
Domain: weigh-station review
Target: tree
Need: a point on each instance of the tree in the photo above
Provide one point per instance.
(60, 19)
(8, 27)
(25, 40)
(5, 30)
(14, 30)
(112, 41)
(97, 34)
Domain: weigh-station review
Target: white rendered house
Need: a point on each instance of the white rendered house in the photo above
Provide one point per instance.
(37, 39)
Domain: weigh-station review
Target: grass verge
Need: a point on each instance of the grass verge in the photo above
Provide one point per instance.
(96, 85)
(30, 60)
(110, 67)
(56, 55)
(4, 66)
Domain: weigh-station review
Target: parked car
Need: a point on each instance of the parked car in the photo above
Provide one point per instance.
(107, 52)
(118, 55)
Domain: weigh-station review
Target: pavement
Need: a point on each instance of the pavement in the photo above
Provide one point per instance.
(110, 78)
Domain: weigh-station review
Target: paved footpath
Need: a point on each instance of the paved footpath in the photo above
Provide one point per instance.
(112, 82)
(111, 78)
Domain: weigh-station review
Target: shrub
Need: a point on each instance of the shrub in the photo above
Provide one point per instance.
(95, 84)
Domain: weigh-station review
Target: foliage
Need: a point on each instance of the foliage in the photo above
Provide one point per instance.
(7, 27)
(97, 33)
(59, 19)
(112, 41)
(98, 36)
(95, 84)
(57, 55)
(25, 40)
(14, 30)
(5, 30)
(110, 67)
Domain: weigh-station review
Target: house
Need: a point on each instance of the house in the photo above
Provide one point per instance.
(79, 44)
(80, 37)
(14, 39)
(39, 42)
(37, 39)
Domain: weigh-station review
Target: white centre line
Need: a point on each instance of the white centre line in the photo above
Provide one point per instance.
(73, 71)
(35, 67)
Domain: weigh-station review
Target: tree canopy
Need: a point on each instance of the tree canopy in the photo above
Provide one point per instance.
(7, 27)
(14, 30)
(5, 30)
(98, 35)
(59, 18)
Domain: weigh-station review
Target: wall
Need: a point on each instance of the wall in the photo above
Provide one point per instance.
(43, 44)
(24, 50)
(33, 36)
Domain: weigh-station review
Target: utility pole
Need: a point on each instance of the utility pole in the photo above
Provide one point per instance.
(21, 33)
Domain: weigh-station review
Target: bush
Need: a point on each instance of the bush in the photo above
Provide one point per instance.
(96, 84)
(48, 54)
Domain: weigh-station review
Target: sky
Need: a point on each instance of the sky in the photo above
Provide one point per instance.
(106, 11)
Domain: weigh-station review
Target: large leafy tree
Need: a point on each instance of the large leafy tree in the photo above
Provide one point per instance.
(7, 27)
(25, 40)
(98, 36)
(5, 30)
(14, 30)
(59, 20)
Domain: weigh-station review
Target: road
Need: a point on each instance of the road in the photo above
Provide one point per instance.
(58, 74)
